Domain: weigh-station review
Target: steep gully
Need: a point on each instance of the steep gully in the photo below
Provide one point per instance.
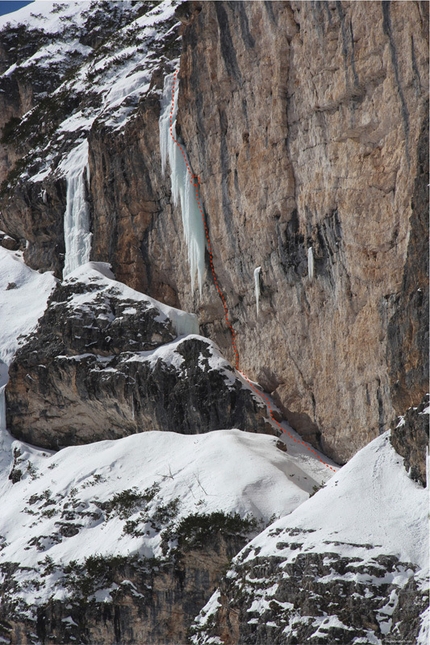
(195, 182)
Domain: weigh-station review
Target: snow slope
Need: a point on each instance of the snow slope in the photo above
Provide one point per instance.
(23, 297)
(369, 510)
(60, 506)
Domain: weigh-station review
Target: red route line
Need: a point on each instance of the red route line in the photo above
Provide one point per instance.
(265, 398)
(195, 181)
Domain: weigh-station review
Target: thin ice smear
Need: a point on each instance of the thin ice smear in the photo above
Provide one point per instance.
(310, 263)
(183, 190)
(77, 235)
(2, 408)
(257, 272)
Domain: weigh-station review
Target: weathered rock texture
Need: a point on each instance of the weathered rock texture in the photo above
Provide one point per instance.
(103, 366)
(363, 598)
(151, 601)
(306, 123)
(410, 439)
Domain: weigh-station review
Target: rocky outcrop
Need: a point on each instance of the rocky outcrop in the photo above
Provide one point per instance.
(125, 599)
(410, 438)
(307, 607)
(330, 576)
(34, 218)
(307, 161)
(106, 362)
(328, 154)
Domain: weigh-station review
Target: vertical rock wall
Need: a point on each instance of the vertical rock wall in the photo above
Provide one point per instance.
(304, 122)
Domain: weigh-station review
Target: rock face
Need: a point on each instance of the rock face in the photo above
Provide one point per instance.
(305, 123)
(151, 601)
(328, 154)
(105, 364)
(320, 173)
(410, 439)
(340, 578)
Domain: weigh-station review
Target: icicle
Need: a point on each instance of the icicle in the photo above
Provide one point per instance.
(257, 272)
(183, 191)
(428, 468)
(310, 263)
(2, 408)
(77, 236)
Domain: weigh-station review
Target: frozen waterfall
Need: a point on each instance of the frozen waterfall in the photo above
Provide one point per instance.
(77, 236)
(257, 272)
(183, 190)
(310, 263)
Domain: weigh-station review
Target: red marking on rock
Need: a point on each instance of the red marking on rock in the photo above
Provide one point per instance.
(196, 182)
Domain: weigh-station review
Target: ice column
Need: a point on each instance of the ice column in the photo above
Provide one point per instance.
(310, 263)
(77, 236)
(257, 272)
(4, 377)
(2, 408)
(183, 191)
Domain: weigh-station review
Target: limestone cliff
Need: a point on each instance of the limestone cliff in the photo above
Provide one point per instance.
(106, 363)
(306, 123)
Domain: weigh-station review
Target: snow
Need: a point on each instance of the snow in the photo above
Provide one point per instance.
(183, 322)
(183, 189)
(371, 500)
(257, 272)
(110, 79)
(58, 51)
(424, 633)
(227, 470)
(77, 121)
(77, 235)
(21, 305)
(44, 13)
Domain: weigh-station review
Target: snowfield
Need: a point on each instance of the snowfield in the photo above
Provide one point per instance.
(369, 510)
(23, 297)
(59, 508)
